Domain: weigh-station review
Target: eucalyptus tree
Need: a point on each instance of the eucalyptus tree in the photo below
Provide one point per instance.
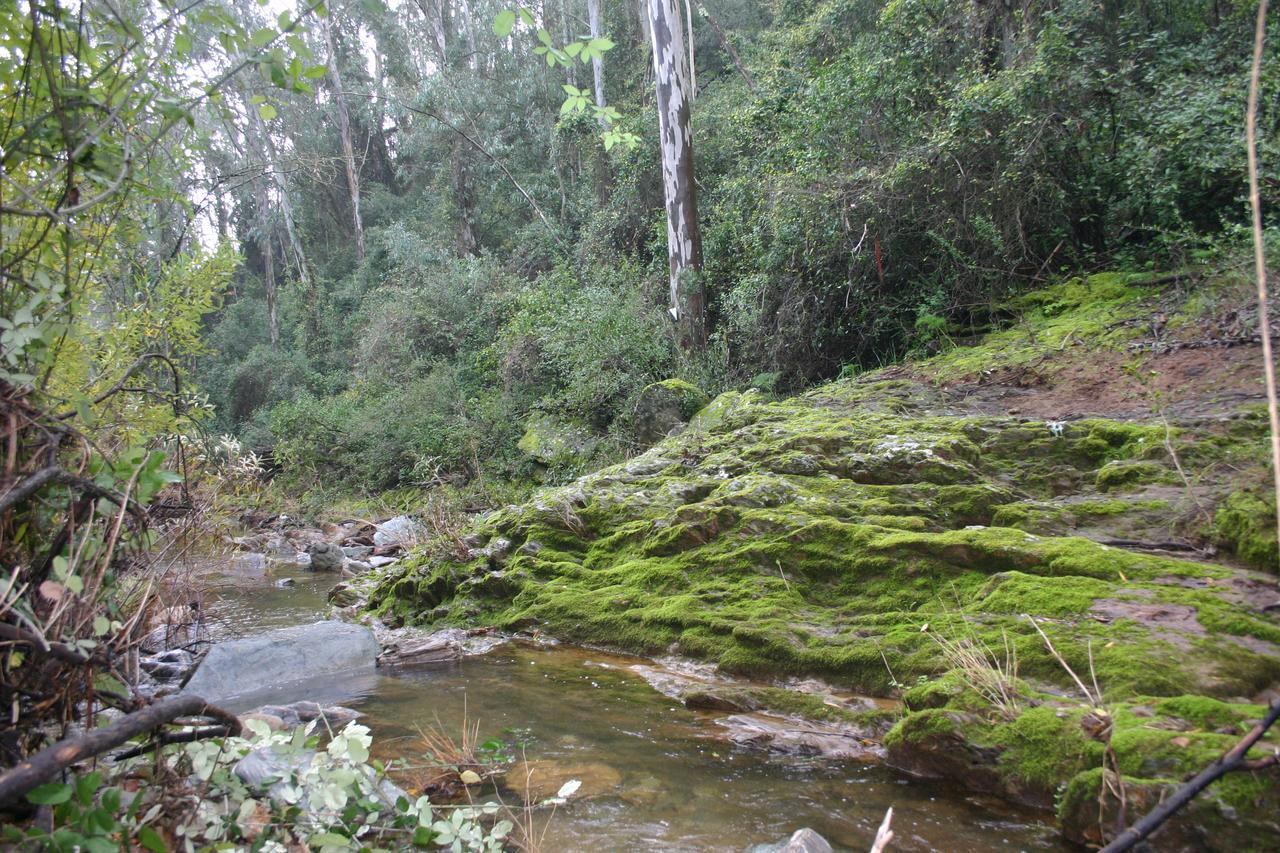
(672, 81)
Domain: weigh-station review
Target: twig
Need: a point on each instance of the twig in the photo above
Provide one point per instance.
(1259, 248)
(1233, 759)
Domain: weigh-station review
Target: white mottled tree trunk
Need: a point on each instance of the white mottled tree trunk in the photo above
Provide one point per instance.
(675, 136)
(597, 63)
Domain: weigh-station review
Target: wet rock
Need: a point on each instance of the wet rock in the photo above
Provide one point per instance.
(352, 568)
(379, 562)
(345, 595)
(796, 737)
(357, 552)
(284, 583)
(801, 841)
(411, 646)
(401, 530)
(441, 647)
(274, 722)
(298, 713)
(325, 557)
(720, 699)
(664, 406)
(239, 667)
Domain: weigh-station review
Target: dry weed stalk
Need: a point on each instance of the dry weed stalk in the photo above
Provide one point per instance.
(993, 675)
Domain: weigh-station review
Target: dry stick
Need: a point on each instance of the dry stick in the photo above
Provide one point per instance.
(1233, 759)
(1259, 249)
(30, 774)
(883, 835)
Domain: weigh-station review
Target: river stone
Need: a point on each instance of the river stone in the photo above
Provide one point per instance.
(325, 557)
(550, 441)
(250, 664)
(357, 552)
(801, 841)
(401, 530)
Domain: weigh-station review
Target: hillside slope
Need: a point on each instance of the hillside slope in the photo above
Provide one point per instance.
(913, 528)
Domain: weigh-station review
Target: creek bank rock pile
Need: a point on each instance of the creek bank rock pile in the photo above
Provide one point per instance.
(894, 539)
(349, 548)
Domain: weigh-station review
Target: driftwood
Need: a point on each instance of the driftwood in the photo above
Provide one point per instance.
(1233, 759)
(30, 774)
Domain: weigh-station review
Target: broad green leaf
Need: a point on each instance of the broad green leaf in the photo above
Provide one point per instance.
(503, 23)
(267, 111)
(50, 794)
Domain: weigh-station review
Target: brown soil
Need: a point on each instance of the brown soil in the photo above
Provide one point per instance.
(1082, 382)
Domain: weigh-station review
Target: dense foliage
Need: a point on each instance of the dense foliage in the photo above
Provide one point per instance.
(874, 177)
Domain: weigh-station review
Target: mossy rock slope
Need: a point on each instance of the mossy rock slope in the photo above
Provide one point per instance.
(871, 531)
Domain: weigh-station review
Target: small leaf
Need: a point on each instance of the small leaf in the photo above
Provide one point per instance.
(568, 789)
(267, 112)
(52, 590)
(470, 777)
(151, 840)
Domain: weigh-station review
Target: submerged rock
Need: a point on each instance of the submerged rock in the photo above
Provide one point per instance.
(245, 666)
(801, 841)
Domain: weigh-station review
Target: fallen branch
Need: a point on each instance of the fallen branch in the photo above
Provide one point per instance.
(53, 474)
(167, 738)
(1233, 759)
(30, 774)
(60, 651)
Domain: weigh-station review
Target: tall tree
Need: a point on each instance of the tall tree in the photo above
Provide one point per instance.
(675, 137)
(597, 61)
(344, 129)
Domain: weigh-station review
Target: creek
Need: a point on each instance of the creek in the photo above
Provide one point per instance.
(656, 776)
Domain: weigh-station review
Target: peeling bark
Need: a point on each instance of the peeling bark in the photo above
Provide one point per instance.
(684, 242)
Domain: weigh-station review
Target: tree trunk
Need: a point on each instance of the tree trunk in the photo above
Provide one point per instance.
(344, 128)
(684, 243)
(570, 70)
(269, 281)
(597, 62)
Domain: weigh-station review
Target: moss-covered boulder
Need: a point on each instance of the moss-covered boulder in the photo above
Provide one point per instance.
(553, 443)
(665, 405)
(885, 532)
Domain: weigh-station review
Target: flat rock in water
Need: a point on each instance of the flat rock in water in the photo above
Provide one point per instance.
(250, 664)
(800, 737)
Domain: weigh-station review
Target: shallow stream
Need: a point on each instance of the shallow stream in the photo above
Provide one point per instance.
(655, 775)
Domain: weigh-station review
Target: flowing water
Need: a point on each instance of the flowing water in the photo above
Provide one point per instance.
(655, 775)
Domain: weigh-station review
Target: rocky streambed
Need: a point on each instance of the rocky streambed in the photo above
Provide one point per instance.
(672, 754)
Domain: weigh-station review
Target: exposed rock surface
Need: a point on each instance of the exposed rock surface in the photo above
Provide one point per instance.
(244, 666)
(875, 530)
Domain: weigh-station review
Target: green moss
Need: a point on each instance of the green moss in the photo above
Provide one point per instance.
(1246, 524)
(1209, 713)
(1124, 474)
(1043, 746)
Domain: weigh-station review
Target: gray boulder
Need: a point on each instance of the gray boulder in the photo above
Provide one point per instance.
(325, 557)
(550, 441)
(253, 664)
